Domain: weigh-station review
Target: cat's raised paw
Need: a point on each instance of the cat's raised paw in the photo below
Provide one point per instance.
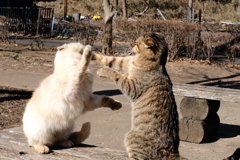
(111, 103)
(87, 51)
(116, 105)
(102, 72)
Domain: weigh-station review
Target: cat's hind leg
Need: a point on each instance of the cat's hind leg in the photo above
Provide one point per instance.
(65, 143)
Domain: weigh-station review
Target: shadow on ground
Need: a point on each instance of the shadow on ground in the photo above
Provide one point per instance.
(8, 94)
(220, 82)
(113, 92)
(75, 146)
(224, 131)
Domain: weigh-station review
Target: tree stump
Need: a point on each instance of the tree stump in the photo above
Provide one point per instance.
(200, 119)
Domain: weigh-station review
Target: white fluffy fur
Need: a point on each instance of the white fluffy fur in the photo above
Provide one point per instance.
(61, 97)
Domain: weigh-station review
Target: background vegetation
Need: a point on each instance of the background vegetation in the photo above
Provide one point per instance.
(185, 40)
(220, 10)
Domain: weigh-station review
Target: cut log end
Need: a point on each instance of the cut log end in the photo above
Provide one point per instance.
(196, 108)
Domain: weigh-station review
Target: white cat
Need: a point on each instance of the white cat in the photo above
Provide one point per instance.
(61, 97)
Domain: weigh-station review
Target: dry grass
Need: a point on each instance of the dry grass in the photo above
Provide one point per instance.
(183, 38)
(171, 9)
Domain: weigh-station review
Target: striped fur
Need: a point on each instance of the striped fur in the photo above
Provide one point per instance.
(144, 79)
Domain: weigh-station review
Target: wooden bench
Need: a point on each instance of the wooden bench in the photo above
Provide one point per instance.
(207, 92)
(199, 109)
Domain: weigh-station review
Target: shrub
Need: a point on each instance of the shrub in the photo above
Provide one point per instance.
(184, 39)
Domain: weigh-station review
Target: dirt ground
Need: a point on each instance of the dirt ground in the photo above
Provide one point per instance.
(17, 57)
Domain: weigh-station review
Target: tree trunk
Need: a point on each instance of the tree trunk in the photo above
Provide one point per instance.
(190, 3)
(116, 5)
(238, 8)
(124, 3)
(107, 39)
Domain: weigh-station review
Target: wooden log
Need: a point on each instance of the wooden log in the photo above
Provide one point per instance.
(199, 109)
(196, 131)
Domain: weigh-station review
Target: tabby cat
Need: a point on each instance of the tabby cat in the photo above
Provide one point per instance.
(144, 79)
(61, 97)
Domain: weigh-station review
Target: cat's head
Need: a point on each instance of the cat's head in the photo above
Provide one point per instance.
(71, 50)
(153, 47)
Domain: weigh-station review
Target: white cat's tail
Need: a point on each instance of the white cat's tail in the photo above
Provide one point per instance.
(79, 137)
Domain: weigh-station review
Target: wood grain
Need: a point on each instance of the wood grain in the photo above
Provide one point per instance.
(206, 92)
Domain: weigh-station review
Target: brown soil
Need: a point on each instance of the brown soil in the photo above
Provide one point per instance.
(13, 101)
(12, 104)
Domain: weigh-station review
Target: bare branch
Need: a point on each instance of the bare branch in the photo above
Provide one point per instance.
(147, 2)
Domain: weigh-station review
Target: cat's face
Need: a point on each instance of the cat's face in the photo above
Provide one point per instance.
(152, 46)
(71, 50)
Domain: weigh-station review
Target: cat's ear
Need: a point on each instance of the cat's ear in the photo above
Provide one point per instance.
(148, 42)
(61, 48)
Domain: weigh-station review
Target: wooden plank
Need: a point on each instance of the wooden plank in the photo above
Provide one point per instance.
(207, 92)
(13, 145)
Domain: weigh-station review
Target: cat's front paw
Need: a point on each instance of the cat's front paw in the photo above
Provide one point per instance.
(111, 103)
(97, 57)
(87, 52)
(40, 148)
(103, 72)
(116, 105)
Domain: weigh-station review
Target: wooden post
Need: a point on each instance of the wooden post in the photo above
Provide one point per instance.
(200, 16)
(200, 20)
(65, 9)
